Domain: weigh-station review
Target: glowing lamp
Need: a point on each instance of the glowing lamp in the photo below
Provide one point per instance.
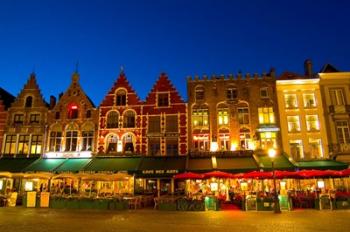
(28, 186)
(214, 186)
(320, 184)
(74, 107)
(119, 146)
(272, 153)
(233, 146)
(1, 184)
(244, 186)
(214, 146)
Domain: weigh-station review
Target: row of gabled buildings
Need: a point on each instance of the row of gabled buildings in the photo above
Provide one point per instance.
(303, 116)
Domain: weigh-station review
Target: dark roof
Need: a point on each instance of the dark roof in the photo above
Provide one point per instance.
(6, 97)
(328, 68)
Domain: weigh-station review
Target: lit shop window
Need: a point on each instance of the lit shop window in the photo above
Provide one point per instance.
(200, 117)
(268, 140)
(309, 100)
(296, 149)
(266, 115)
(223, 116)
(293, 124)
(290, 101)
(312, 123)
(315, 148)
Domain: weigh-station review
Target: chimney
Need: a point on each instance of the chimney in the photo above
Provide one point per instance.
(308, 68)
(60, 95)
(52, 102)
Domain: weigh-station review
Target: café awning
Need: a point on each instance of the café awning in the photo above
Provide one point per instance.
(113, 164)
(73, 165)
(161, 166)
(15, 164)
(322, 165)
(281, 162)
(200, 165)
(236, 164)
(45, 165)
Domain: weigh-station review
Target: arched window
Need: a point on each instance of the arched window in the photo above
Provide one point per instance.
(112, 119)
(223, 115)
(71, 138)
(112, 141)
(129, 119)
(200, 116)
(88, 137)
(121, 98)
(243, 113)
(199, 93)
(128, 143)
(29, 101)
(72, 111)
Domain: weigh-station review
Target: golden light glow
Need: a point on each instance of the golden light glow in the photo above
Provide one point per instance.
(251, 145)
(234, 146)
(213, 146)
(272, 152)
(119, 146)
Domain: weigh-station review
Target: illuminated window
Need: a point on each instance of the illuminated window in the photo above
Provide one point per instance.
(309, 100)
(29, 102)
(71, 140)
(200, 117)
(224, 141)
(296, 149)
(88, 138)
(199, 93)
(312, 123)
(129, 119)
(223, 116)
(291, 101)
(315, 148)
(293, 123)
(264, 93)
(72, 112)
(243, 115)
(337, 96)
(231, 93)
(268, 140)
(18, 118)
(34, 118)
(10, 144)
(112, 119)
(343, 132)
(36, 144)
(163, 99)
(266, 115)
(244, 138)
(154, 124)
(128, 144)
(112, 142)
(55, 140)
(121, 98)
(201, 142)
(23, 145)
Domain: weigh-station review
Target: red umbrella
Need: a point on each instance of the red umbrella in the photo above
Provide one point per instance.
(188, 175)
(218, 174)
(257, 175)
(317, 173)
(285, 174)
(345, 172)
(238, 175)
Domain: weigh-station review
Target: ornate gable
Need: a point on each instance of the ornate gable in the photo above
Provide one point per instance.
(163, 84)
(121, 83)
(30, 89)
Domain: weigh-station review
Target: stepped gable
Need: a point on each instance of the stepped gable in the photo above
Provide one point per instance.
(76, 92)
(163, 84)
(121, 82)
(6, 98)
(31, 88)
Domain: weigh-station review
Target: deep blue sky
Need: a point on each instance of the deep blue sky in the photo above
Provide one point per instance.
(179, 37)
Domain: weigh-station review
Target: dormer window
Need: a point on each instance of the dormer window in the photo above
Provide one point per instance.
(231, 93)
(264, 93)
(29, 102)
(73, 111)
(163, 99)
(121, 98)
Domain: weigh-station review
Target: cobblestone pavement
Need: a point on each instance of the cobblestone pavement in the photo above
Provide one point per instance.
(23, 219)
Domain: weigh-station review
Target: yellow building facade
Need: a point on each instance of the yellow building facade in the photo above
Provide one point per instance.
(336, 104)
(302, 122)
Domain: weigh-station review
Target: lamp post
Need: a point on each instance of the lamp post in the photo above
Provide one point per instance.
(272, 155)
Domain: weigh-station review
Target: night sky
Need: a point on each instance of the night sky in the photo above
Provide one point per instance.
(179, 37)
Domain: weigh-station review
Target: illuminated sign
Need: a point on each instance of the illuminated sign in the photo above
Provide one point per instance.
(268, 129)
(148, 172)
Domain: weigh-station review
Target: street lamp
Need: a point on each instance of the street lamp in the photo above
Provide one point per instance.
(272, 155)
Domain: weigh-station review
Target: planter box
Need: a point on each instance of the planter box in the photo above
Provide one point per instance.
(342, 204)
(167, 206)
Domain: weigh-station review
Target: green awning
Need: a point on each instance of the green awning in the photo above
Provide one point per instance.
(236, 164)
(322, 165)
(281, 162)
(200, 165)
(15, 164)
(113, 164)
(45, 165)
(73, 165)
(161, 166)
